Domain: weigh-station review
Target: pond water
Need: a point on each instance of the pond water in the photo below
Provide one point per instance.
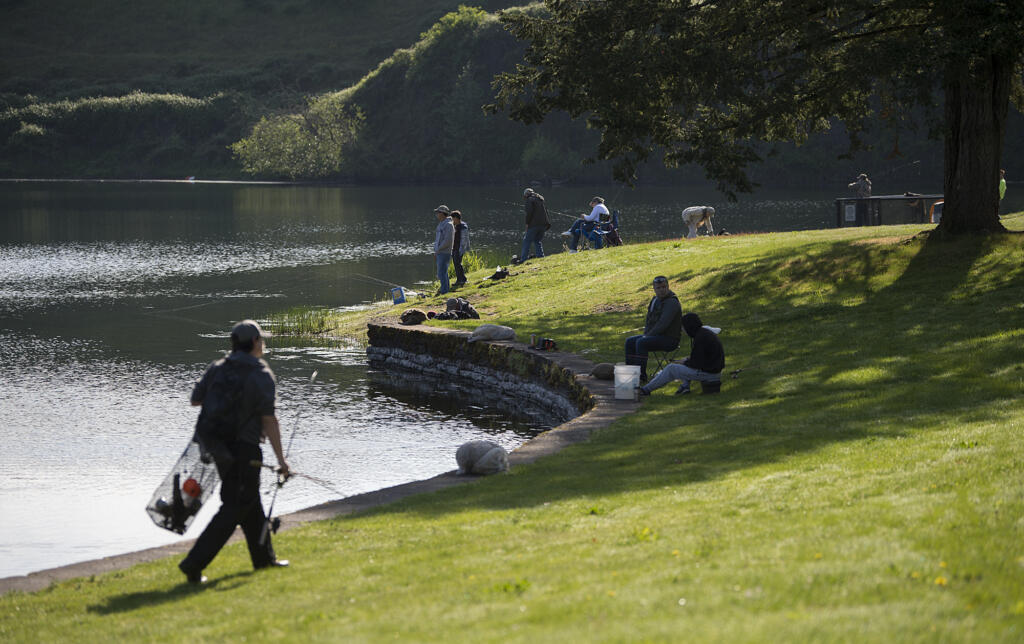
(115, 296)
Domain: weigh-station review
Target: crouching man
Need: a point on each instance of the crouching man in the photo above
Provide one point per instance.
(705, 362)
(695, 217)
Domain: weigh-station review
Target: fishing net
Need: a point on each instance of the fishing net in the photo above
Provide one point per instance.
(177, 500)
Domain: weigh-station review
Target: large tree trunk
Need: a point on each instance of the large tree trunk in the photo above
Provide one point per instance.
(977, 99)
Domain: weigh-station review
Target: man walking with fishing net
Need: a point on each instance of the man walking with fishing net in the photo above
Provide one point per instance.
(238, 395)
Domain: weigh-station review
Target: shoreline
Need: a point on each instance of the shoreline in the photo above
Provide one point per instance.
(606, 409)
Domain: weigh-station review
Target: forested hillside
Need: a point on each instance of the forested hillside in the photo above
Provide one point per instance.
(320, 90)
(140, 88)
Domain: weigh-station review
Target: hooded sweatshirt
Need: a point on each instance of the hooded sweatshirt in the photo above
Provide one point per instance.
(706, 353)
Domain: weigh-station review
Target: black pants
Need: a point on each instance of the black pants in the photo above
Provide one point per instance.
(460, 273)
(240, 505)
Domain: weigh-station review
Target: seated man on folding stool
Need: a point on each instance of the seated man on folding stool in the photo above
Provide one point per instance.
(662, 328)
(705, 363)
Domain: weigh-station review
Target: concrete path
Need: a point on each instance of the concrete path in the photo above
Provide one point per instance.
(605, 411)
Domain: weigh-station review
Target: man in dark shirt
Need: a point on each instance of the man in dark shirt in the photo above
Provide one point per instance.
(662, 328)
(537, 223)
(240, 485)
(705, 363)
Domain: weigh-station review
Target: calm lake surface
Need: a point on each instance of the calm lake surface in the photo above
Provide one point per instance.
(115, 296)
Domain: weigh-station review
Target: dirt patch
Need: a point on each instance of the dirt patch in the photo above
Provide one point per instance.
(614, 308)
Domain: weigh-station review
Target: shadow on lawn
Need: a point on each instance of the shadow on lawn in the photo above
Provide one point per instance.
(800, 390)
(147, 599)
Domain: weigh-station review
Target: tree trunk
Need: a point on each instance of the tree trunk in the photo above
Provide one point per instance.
(977, 100)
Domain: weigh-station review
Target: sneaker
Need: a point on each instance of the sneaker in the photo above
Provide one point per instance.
(683, 389)
(573, 251)
(195, 578)
(643, 392)
(567, 233)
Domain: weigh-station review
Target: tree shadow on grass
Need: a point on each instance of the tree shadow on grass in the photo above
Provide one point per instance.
(149, 598)
(805, 386)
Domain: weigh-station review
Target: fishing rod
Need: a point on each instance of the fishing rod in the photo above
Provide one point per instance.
(309, 477)
(272, 524)
(550, 210)
(370, 279)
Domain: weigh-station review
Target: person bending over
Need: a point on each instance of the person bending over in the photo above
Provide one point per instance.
(697, 216)
(662, 328)
(705, 362)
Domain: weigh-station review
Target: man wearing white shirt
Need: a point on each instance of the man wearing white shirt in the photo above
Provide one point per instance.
(587, 223)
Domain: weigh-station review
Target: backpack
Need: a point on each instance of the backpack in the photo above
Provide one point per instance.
(220, 418)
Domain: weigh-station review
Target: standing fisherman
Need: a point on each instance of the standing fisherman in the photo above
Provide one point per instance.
(537, 223)
(240, 386)
(862, 186)
(444, 241)
(459, 247)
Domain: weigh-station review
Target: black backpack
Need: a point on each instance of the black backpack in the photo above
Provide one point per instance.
(221, 417)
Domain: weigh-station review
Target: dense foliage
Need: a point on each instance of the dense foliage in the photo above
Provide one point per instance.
(133, 136)
(266, 75)
(419, 116)
(708, 82)
(185, 79)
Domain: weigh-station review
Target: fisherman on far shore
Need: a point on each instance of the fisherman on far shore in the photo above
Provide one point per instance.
(537, 223)
(444, 241)
(459, 248)
(862, 186)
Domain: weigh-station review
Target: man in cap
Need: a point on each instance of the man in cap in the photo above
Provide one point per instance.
(862, 186)
(444, 241)
(662, 328)
(586, 223)
(242, 381)
(537, 223)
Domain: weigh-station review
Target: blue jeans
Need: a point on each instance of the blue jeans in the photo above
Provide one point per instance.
(533, 235)
(579, 228)
(638, 346)
(442, 270)
(677, 371)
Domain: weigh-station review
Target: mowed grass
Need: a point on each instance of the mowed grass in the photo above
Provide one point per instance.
(861, 479)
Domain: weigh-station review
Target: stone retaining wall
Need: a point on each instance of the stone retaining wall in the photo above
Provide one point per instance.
(507, 368)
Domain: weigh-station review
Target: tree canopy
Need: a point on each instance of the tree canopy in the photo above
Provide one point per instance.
(711, 83)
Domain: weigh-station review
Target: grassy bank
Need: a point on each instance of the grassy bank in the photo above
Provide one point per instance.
(861, 480)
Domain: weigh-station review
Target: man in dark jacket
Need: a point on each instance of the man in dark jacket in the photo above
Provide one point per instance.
(662, 328)
(240, 487)
(705, 363)
(537, 223)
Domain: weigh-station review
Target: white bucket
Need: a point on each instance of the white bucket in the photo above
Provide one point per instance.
(627, 379)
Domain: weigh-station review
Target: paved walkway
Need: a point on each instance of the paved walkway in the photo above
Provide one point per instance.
(605, 411)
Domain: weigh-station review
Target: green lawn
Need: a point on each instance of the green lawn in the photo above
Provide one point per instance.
(862, 479)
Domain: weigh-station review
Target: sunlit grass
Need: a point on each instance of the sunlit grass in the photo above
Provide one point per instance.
(860, 479)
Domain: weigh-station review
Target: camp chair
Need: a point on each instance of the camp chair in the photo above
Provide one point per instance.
(662, 358)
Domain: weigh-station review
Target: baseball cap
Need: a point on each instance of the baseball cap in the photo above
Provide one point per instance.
(246, 330)
(443, 209)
